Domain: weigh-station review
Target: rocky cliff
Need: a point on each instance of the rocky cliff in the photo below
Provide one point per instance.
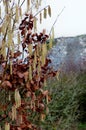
(69, 53)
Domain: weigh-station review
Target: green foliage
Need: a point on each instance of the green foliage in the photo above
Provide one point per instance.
(68, 94)
(82, 126)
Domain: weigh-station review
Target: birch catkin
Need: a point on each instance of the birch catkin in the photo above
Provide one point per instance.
(49, 10)
(7, 126)
(20, 12)
(9, 39)
(28, 4)
(44, 52)
(39, 68)
(17, 14)
(30, 48)
(45, 13)
(50, 43)
(17, 98)
(18, 38)
(53, 33)
(40, 17)
(30, 72)
(37, 4)
(14, 114)
(34, 61)
(35, 24)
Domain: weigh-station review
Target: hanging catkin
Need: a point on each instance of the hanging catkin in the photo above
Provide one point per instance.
(45, 13)
(50, 43)
(34, 65)
(40, 18)
(39, 68)
(18, 38)
(9, 38)
(20, 12)
(3, 27)
(30, 48)
(35, 24)
(43, 54)
(17, 98)
(43, 60)
(17, 14)
(30, 72)
(14, 114)
(35, 57)
(49, 10)
(37, 4)
(28, 5)
(53, 33)
(7, 126)
(12, 49)
(34, 61)
(6, 6)
(44, 49)
(8, 18)
(37, 49)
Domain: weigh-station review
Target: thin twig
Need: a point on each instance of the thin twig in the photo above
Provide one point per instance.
(22, 3)
(56, 20)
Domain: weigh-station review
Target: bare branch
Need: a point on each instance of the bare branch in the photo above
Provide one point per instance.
(22, 3)
(56, 19)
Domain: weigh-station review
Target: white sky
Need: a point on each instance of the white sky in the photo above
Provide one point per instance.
(73, 19)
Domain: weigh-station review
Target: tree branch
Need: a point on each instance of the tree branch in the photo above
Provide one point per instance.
(22, 3)
(56, 19)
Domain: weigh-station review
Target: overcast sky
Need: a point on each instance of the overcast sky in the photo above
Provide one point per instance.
(71, 22)
(73, 19)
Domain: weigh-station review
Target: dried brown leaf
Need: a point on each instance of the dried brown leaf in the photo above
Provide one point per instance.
(6, 84)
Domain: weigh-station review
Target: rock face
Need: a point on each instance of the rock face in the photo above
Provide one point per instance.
(69, 53)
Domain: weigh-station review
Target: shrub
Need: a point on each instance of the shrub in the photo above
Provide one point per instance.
(67, 96)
